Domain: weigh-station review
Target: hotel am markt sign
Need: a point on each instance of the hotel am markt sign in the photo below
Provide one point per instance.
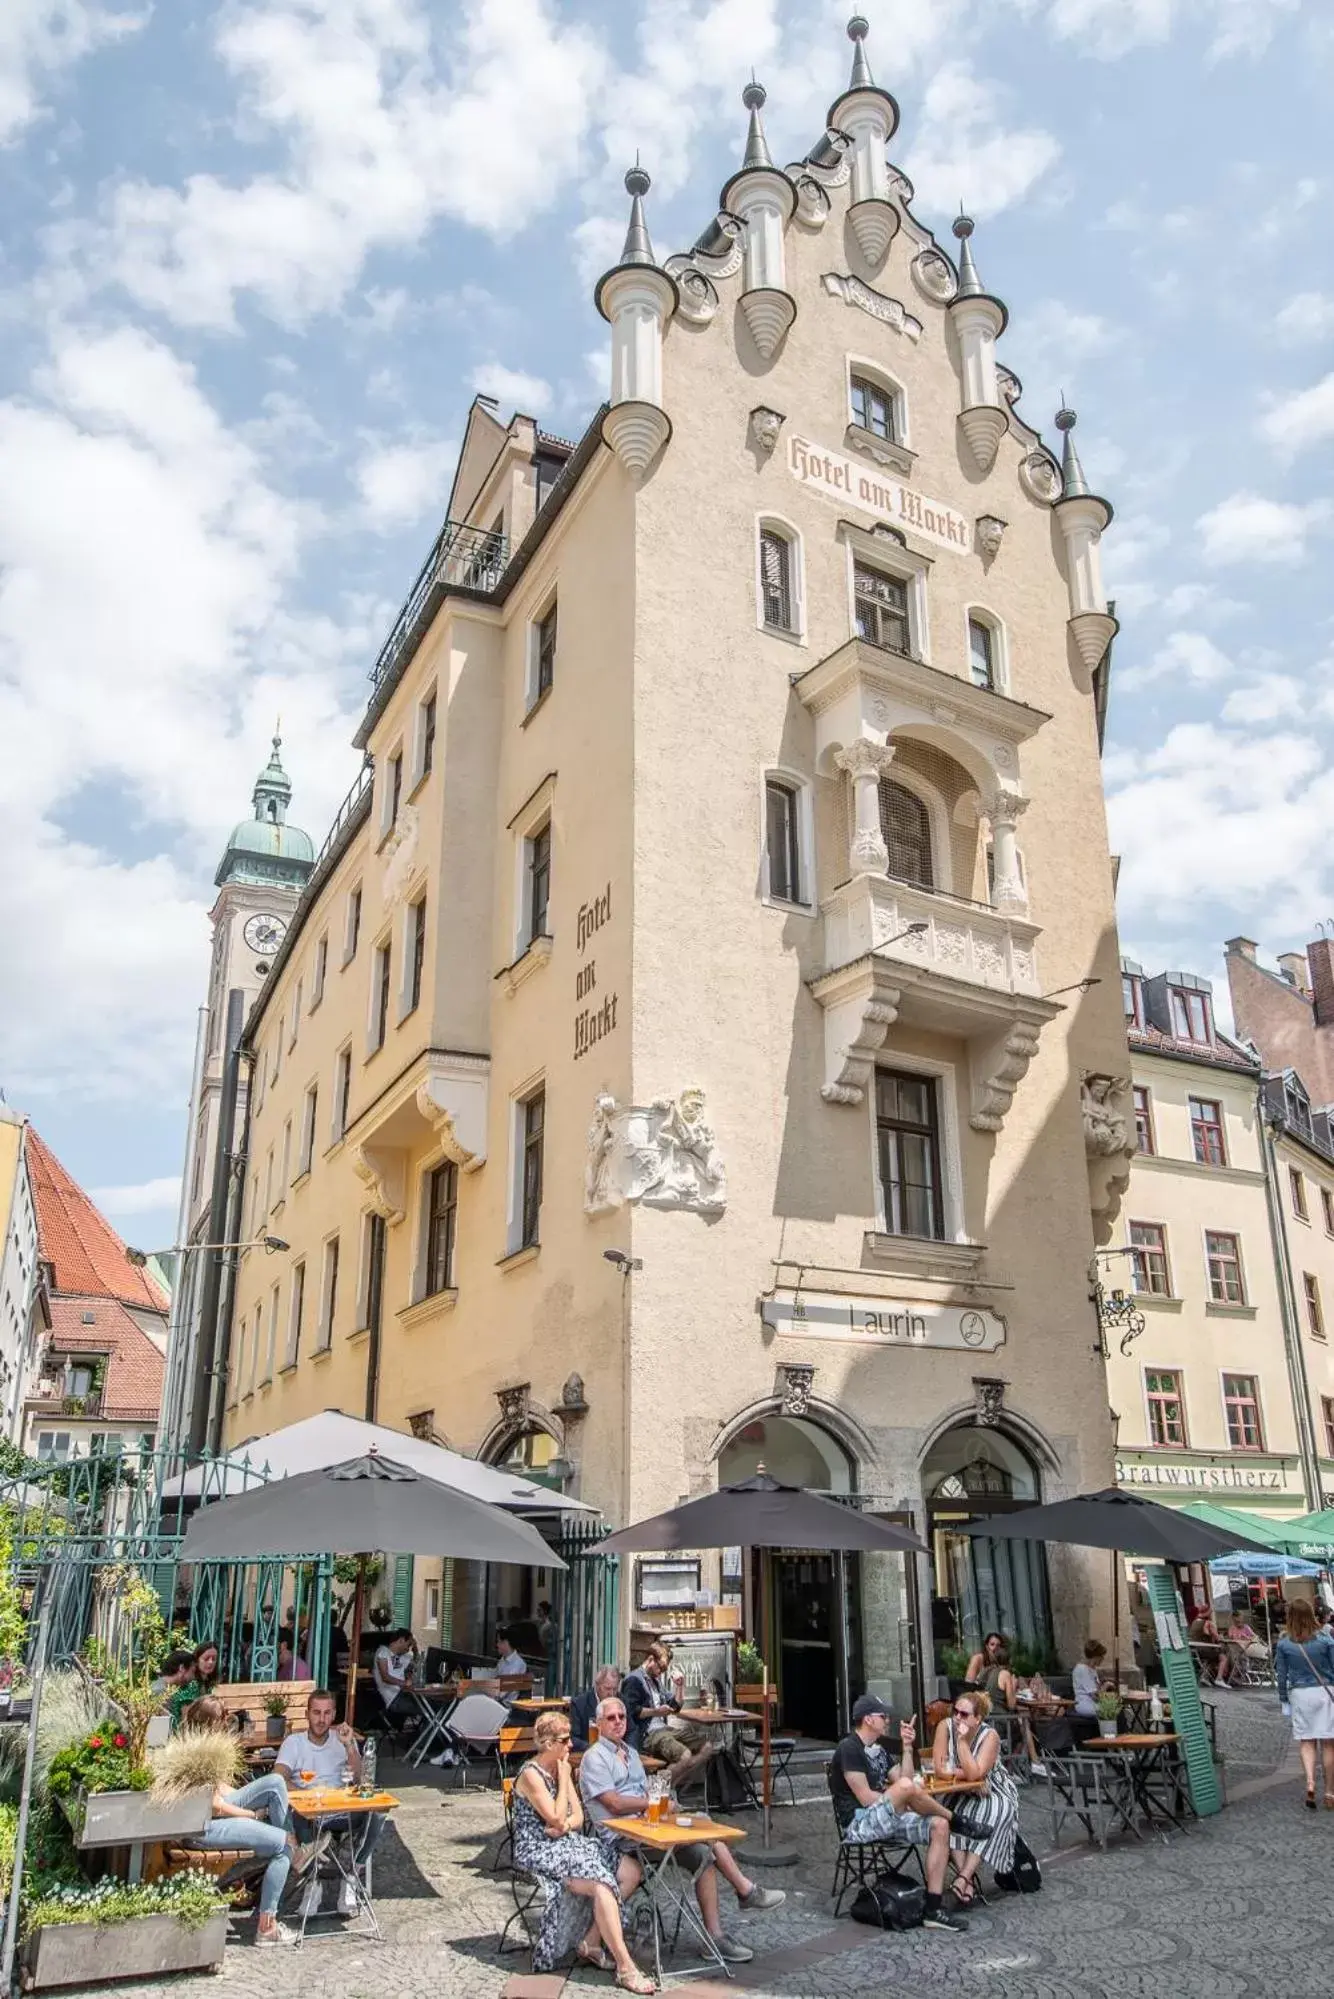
(882, 1322)
(850, 481)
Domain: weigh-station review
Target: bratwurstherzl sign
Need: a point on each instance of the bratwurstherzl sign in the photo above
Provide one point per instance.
(882, 1322)
(850, 481)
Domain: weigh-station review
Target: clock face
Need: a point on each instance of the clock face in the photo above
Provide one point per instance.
(264, 933)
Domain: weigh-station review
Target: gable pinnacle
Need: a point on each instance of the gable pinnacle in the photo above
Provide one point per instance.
(757, 148)
(1074, 486)
(638, 249)
(858, 29)
(970, 284)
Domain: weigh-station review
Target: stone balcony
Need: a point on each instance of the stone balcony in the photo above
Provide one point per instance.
(971, 974)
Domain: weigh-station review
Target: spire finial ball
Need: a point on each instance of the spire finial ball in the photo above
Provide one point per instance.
(637, 181)
(858, 28)
(1065, 418)
(963, 227)
(753, 95)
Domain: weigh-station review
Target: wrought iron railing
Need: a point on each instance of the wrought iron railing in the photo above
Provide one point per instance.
(365, 778)
(465, 557)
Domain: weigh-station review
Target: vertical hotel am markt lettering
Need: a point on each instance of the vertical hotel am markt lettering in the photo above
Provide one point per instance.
(697, 1041)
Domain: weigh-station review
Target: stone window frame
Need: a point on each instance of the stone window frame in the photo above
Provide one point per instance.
(991, 622)
(533, 692)
(949, 1128)
(803, 791)
(942, 850)
(788, 532)
(421, 740)
(393, 788)
(894, 558)
(874, 372)
(1151, 1401)
(1255, 1401)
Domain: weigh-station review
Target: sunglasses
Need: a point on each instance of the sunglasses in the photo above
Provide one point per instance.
(965, 1713)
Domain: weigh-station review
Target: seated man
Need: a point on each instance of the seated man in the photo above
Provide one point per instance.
(584, 1706)
(392, 1673)
(510, 1664)
(651, 1702)
(872, 1801)
(315, 1759)
(613, 1785)
(176, 1670)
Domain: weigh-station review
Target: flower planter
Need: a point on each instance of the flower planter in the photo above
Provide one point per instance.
(120, 1818)
(144, 1947)
(1109, 1728)
(275, 1727)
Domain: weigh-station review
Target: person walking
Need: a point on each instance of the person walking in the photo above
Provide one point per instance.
(1304, 1664)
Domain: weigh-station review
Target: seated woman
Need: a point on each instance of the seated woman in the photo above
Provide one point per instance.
(1244, 1642)
(989, 1669)
(985, 1822)
(198, 1683)
(549, 1840)
(254, 1818)
(1087, 1681)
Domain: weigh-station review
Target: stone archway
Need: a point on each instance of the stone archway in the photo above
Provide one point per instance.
(979, 1584)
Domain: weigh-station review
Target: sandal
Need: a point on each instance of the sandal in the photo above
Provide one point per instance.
(635, 1980)
(597, 1959)
(1310, 1801)
(964, 1891)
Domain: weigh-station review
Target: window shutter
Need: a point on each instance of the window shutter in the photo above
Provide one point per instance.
(906, 829)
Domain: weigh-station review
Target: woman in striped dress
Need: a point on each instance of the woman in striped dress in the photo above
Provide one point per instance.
(985, 1822)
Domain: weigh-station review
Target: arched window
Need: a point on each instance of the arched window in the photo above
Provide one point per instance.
(793, 1450)
(905, 826)
(778, 579)
(981, 653)
(875, 407)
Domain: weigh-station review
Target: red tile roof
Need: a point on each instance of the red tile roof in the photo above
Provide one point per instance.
(86, 1254)
(135, 1367)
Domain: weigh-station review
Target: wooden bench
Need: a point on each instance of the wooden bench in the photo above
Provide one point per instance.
(250, 1697)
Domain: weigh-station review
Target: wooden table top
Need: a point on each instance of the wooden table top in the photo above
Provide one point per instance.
(1128, 1741)
(707, 1716)
(539, 1701)
(668, 1834)
(318, 1800)
(942, 1785)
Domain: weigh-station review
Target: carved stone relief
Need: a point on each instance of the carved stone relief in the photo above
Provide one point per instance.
(765, 425)
(382, 1170)
(813, 203)
(998, 1072)
(400, 857)
(1040, 477)
(1009, 384)
(1102, 1107)
(795, 1384)
(988, 532)
(663, 1155)
(933, 275)
(888, 310)
(989, 1398)
(698, 297)
(514, 1402)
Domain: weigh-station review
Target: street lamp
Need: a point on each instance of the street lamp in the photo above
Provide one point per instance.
(1115, 1308)
(268, 1243)
(912, 930)
(625, 1264)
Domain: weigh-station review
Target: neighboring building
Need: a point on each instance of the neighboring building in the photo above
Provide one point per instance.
(24, 1306)
(97, 1378)
(260, 877)
(676, 1059)
(1205, 1394)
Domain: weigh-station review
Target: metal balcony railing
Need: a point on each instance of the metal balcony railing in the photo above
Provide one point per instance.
(466, 557)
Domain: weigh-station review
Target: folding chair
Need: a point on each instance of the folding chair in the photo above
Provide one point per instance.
(475, 1724)
(1095, 1789)
(533, 1894)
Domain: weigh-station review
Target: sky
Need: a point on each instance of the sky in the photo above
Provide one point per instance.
(259, 255)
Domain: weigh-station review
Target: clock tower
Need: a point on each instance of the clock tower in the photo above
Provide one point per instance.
(259, 880)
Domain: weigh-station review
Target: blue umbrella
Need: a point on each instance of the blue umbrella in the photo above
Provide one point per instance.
(1261, 1566)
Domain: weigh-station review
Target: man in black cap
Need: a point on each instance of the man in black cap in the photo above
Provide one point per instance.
(873, 1801)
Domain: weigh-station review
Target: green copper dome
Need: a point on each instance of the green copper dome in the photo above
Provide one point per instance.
(264, 849)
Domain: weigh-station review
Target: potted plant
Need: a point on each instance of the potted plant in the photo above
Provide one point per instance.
(749, 1688)
(178, 1924)
(1108, 1710)
(275, 1709)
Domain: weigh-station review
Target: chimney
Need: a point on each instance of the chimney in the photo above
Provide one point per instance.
(1293, 965)
(1320, 958)
(1243, 947)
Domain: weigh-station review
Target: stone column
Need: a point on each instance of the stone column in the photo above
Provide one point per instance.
(866, 762)
(1003, 810)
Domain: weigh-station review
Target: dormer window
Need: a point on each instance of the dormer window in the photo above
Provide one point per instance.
(1296, 1103)
(1132, 999)
(1190, 1015)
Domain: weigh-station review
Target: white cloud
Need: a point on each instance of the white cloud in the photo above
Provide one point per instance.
(1187, 657)
(961, 150)
(1274, 697)
(142, 1199)
(1298, 421)
(1112, 28)
(388, 125)
(512, 388)
(598, 363)
(398, 483)
(1308, 316)
(1248, 528)
(39, 38)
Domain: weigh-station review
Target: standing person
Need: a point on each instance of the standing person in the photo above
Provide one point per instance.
(1304, 1663)
(317, 1755)
(872, 1801)
(267, 1827)
(549, 1840)
(392, 1673)
(985, 1823)
(1087, 1681)
(613, 1785)
(200, 1683)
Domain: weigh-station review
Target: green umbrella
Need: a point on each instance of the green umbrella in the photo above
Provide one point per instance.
(1247, 1526)
(1311, 1536)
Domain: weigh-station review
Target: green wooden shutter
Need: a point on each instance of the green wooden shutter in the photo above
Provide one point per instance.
(1179, 1675)
(403, 1589)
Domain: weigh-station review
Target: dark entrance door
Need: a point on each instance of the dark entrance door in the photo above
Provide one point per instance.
(808, 1631)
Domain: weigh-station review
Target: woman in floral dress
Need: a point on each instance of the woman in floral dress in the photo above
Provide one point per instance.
(549, 1840)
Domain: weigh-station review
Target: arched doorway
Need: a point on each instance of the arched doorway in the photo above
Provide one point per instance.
(980, 1584)
(794, 1598)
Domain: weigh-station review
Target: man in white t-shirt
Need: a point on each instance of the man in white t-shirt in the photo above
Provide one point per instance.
(392, 1673)
(315, 1759)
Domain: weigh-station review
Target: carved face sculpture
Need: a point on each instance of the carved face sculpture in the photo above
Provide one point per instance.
(691, 1106)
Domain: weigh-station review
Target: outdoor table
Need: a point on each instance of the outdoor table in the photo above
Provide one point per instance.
(947, 1784)
(433, 1704)
(1147, 1757)
(725, 1717)
(321, 1803)
(535, 1703)
(666, 1888)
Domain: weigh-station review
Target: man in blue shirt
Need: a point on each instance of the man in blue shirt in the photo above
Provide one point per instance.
(614, 1784)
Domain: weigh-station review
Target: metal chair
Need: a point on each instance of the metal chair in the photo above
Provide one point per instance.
(475, 1724)
(1095, 1789)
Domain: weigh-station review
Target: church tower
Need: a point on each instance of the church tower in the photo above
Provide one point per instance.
(263, 870)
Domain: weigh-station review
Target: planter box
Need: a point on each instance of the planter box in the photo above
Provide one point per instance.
(120, 1818)
(145, 1947)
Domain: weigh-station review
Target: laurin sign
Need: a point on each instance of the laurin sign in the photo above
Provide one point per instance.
(844, 480)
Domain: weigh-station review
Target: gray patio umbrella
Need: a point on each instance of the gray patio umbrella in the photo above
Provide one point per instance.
(759, 1512)
(368, 1503)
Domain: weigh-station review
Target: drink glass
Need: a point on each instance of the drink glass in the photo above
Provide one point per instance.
(592, 1733)
(306, 1776)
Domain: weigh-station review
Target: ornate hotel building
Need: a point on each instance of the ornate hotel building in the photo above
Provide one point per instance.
(697, 1043)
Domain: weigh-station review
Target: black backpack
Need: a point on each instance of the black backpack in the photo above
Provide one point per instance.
(891, 1902)
(1025, 1877)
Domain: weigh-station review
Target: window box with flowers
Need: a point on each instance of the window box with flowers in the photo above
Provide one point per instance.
(156, 1927)
(104, 1794)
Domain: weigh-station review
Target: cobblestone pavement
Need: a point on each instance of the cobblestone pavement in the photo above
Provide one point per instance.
(1241, 1906)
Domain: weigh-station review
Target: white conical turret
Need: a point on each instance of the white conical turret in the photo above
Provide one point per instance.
(638, 298)
(763, 198)
(1083, 517)
(870, 118)
(978, 320)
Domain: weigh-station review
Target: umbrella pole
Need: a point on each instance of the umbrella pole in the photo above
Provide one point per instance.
(355, 1652)
(1116, 1622)
(764, 1742)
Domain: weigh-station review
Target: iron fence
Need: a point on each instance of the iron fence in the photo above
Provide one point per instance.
(462, 558)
